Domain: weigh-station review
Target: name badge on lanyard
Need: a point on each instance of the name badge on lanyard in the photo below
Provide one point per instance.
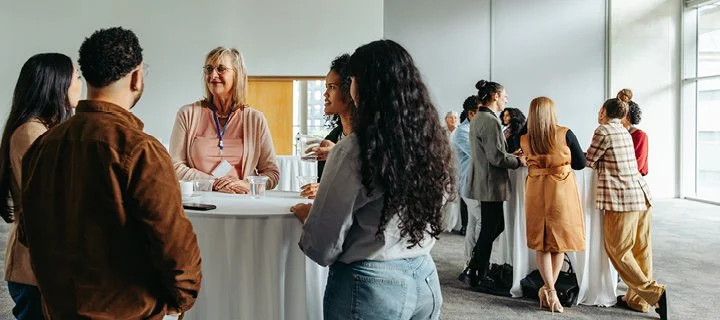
(221, 131)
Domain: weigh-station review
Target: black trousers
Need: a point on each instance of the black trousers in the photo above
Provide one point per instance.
(491, 226)
(463, 213)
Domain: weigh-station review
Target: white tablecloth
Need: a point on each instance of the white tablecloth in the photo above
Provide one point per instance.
(596, 277)
(291, 167)
(251, 264)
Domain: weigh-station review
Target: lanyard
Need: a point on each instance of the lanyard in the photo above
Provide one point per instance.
(220, 132)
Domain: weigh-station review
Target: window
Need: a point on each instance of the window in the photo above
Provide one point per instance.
(291, 106)
(309, 110)
(701, 101)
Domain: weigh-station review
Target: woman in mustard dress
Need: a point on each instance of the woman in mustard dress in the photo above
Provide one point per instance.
(554, 216)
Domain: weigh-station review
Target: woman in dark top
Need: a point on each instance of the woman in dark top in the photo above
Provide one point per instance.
(514, 120)
(339, 107)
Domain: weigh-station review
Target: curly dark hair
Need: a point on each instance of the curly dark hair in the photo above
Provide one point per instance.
(486, 89)
(403, 146)
(341, 66)
(517, 119)
(634, 113)
(40, 93)
(108, 55)
(516, 125)
(615, 108)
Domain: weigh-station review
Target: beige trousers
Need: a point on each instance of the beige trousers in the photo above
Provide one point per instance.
(627, 243)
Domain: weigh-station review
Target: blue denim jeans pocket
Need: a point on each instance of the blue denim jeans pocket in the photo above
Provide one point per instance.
(397, 289)
(381, 297)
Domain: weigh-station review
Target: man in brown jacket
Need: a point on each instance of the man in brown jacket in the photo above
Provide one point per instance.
(103, 216)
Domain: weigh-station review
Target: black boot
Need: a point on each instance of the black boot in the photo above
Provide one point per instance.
(475, 274)
(464, 275)
(474, 278)
(662, 308)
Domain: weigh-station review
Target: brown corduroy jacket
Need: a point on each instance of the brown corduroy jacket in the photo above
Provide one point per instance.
(104, 222)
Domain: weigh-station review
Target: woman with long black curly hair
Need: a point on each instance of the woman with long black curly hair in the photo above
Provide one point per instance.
(514, 120)
(377, 211)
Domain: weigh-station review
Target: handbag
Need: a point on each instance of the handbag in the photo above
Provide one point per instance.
(502, 276)
(566, 286)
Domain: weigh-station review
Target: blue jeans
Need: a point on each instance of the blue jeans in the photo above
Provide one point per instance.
(395, 289)
(28, 305)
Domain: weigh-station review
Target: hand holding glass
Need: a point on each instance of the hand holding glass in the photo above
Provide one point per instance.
(306, 143)
(308, 186)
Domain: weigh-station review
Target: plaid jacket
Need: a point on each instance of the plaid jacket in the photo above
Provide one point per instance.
(620, 187)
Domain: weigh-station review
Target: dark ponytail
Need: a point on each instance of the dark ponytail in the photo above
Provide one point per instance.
(486, 89)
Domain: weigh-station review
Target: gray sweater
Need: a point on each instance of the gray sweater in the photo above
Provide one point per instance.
(343, 220)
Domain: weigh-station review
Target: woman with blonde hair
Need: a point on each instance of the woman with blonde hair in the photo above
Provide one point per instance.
(220, 137)
(554, 216)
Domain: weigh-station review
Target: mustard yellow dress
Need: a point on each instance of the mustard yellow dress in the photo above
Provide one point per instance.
(553, 211)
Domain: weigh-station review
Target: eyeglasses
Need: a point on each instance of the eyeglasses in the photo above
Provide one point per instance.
(221, 69)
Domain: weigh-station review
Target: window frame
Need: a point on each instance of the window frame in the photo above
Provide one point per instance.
(689, 101)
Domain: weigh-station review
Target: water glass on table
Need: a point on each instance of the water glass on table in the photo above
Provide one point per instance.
(258, 184)
(186, 189)
(305, 180)
(202, 185)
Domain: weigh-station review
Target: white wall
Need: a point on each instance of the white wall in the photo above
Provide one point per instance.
(550, 47)
(449, 41)
(553, 48)
(277, 37)
(645, 49)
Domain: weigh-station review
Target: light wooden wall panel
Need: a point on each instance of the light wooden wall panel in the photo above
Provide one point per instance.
(274, 97)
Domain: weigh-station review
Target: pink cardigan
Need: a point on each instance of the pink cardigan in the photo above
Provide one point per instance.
(258, 151)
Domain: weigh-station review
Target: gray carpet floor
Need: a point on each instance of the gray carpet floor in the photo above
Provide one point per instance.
(686, 241)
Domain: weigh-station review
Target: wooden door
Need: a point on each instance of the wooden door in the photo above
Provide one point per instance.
(274, 97)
